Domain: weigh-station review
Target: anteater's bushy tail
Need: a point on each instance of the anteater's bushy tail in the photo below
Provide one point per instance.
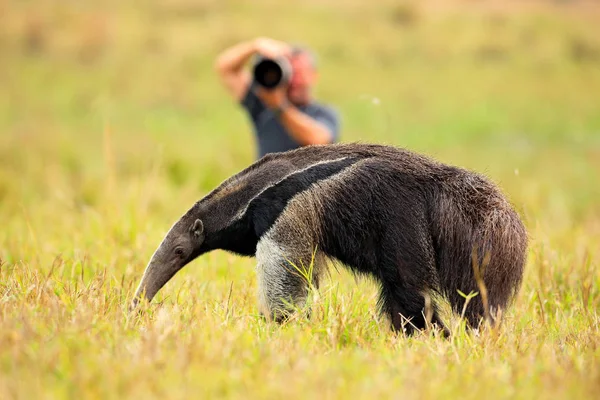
(481, 246)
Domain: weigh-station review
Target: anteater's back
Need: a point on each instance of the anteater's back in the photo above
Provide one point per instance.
(468, 216)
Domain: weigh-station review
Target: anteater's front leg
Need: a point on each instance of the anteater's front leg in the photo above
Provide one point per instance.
(285, 274)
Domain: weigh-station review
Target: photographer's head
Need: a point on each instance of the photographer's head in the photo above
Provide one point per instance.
(304, 76)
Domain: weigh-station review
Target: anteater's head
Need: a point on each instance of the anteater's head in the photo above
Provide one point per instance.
(181, 245)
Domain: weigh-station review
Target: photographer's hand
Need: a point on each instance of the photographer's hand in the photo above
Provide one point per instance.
(303, 128)
(271, 48)
(275, 99)
(230, 63)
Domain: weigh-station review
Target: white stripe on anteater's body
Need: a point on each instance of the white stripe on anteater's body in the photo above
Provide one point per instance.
(408, 221)
(293, 242)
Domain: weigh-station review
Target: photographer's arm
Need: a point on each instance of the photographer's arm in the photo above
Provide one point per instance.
(230, 66)
(305, 129)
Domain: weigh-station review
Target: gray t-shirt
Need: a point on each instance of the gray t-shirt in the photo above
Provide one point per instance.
(272, 136)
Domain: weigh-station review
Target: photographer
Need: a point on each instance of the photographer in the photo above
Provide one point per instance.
(286, 116)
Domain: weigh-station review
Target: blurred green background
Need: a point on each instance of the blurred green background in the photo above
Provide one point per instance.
(115, 106)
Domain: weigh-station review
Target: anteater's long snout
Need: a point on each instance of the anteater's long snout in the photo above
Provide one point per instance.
(157, 274)
(148, 286)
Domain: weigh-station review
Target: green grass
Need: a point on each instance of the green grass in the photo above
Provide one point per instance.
(112, 124)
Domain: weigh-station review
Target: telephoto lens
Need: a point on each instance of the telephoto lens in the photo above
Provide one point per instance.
(270, 73)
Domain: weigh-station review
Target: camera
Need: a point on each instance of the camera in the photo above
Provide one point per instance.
(271, 73)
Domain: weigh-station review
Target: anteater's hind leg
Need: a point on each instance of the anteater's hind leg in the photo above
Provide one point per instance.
(407, 274)
(284, 276)
(407, 310)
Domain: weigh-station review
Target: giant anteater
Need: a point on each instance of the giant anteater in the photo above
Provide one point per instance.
(415, 225)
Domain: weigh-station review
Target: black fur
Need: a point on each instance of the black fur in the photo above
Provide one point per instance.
(408, 221)
(264, 210)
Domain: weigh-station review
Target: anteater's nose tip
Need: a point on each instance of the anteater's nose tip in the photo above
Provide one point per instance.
(133, 305)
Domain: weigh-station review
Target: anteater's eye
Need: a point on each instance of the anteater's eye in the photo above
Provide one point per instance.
(179, 251)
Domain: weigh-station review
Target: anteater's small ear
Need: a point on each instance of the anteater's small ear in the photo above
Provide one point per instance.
(197, 229)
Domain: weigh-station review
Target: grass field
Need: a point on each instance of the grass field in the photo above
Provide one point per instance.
(112, 124)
